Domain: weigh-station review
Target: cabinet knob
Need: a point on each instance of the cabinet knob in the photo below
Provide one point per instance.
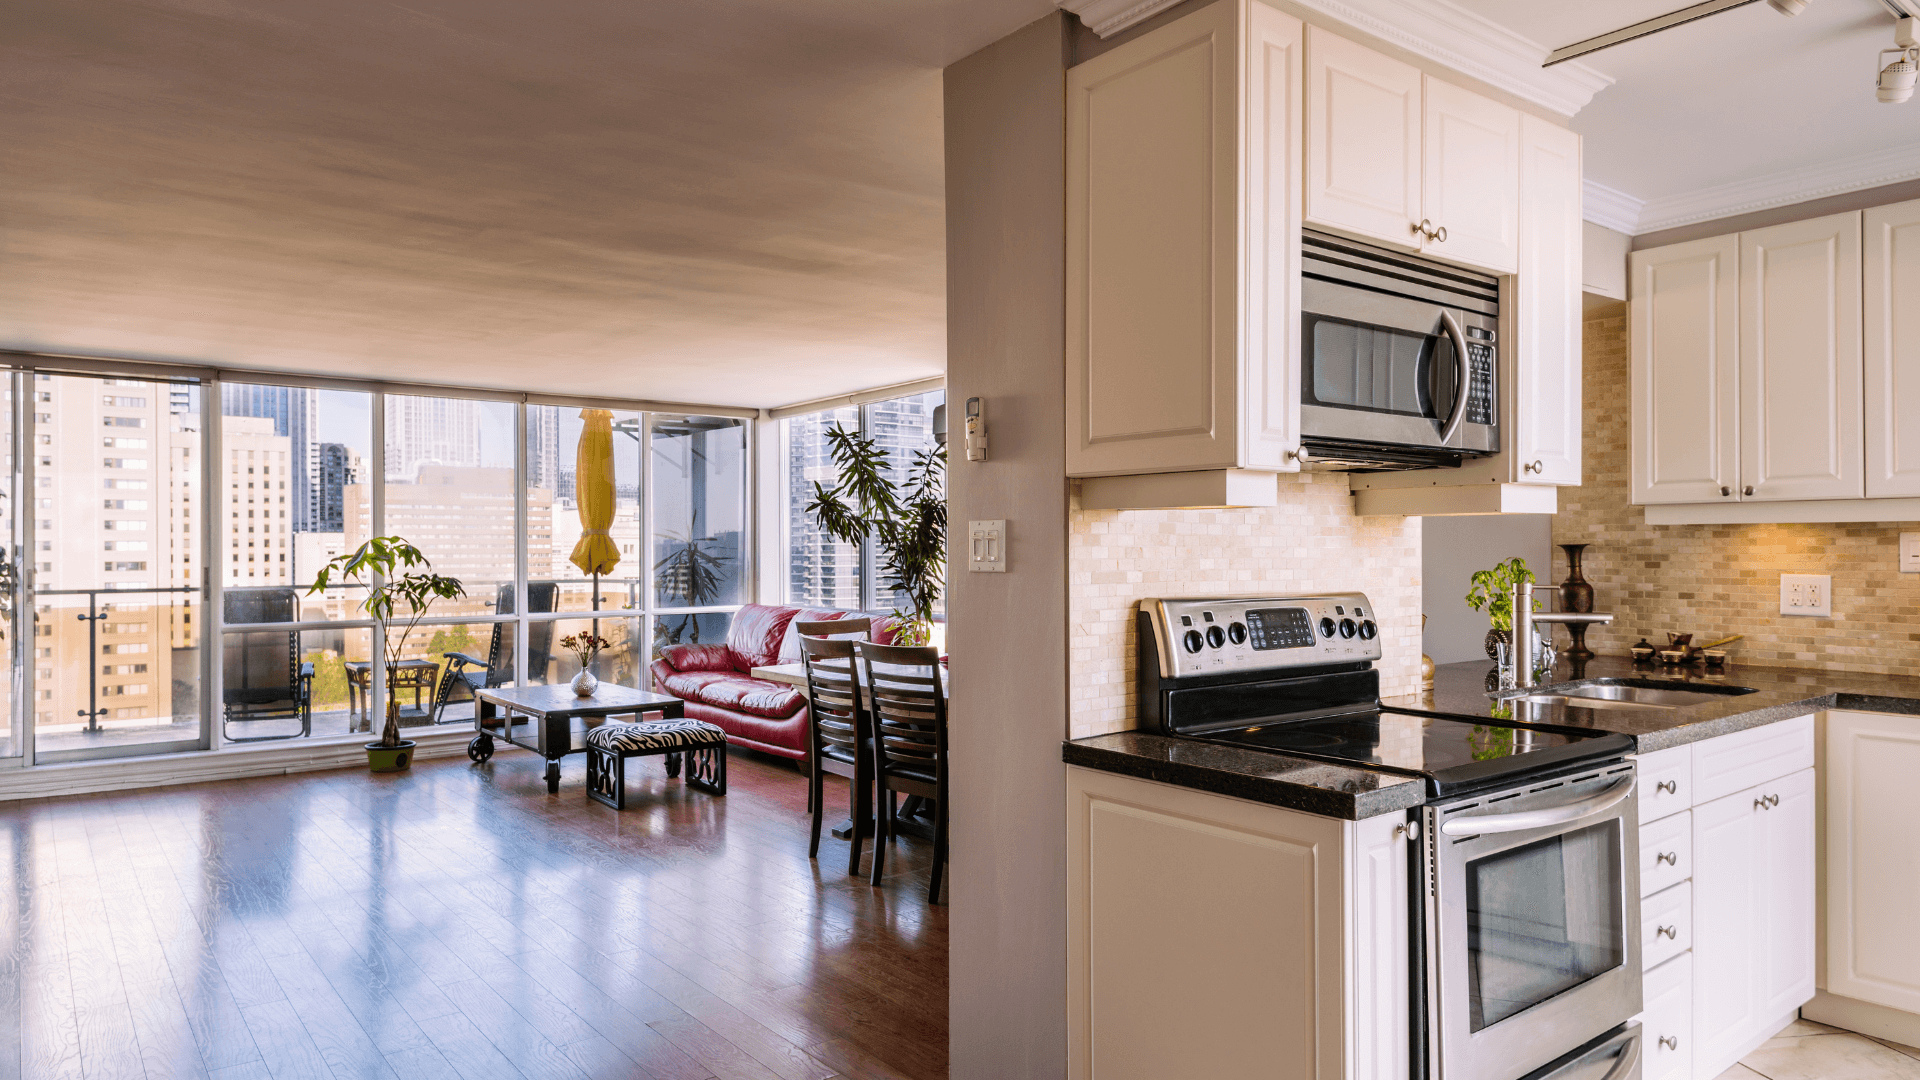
(1533, 466)
(1667, 931)
(1411, 830)
(1773, 800)
(1670, 857)
(1725, 491)
(1766, 802)
(1748, 490)
(1671, 787)
(1671, 1042)
(1426, 228)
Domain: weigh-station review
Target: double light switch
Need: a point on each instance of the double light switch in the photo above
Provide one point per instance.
(987, 547)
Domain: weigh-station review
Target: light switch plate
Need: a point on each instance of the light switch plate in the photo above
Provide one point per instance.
(987, 547)
(1910, 553)
(1806, 594)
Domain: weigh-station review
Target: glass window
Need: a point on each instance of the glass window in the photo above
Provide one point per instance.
(699, 511)
(821, 572)
(902, 427)
(554, 514)
(450, 490)
(1542, 918)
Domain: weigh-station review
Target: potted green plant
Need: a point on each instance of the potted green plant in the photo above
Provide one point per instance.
(908, 521)
(386, 567)
(1492, 592)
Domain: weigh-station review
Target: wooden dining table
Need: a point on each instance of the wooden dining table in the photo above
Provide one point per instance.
(795, 675)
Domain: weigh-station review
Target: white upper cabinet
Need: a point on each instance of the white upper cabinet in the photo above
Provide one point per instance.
(1685, 378)
(1891, 260)
(1183, 247)
(1544, 411)
(1390, 150)
(1800, 361)
(1363, 141)
(1472, 188)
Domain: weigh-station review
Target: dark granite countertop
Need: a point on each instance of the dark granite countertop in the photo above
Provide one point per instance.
(1460, 692)
(1295, 783)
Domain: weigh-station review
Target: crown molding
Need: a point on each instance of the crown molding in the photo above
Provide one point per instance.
(1435, 29)
(1819, 181)
(1611, 209)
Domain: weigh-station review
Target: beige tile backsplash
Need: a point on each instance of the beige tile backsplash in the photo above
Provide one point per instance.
(1715, 580)
(1310, 543)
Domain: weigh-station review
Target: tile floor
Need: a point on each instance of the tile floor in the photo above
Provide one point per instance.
(1804, 1050)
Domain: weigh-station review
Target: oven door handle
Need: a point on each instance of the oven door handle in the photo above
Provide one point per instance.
(1535, 819)
(1627, 1064)
(1459, 413)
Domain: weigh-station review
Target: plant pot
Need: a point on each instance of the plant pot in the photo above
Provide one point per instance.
(389, 758)
(584, 684)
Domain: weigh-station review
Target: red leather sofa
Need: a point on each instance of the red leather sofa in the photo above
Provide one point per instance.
(714, 682)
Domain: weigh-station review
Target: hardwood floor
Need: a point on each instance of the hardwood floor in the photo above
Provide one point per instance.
(458, 922)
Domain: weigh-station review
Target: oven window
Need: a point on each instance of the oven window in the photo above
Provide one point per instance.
(1542, 919)
(1356, 366)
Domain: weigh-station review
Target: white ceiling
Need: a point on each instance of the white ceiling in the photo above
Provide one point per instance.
(722, 201)
(1718, 110)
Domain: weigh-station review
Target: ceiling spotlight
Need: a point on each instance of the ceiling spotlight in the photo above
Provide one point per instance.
(1895, 84)
(1788, 7)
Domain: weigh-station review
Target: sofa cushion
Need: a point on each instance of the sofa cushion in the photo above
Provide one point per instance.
(790, 644)
(698, 657)
(786, 738)
(756, 634)
(755, 697)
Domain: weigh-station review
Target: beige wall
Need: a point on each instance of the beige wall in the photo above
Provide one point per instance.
(1311, 543)
(1006, 339)
(1715, 580)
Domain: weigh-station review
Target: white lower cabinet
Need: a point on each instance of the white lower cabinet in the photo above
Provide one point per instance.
(1727, 886)
(1873, 861)
(1666, 1021)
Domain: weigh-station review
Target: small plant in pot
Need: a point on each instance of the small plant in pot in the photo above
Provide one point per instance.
(1492, 592)
(399, 581)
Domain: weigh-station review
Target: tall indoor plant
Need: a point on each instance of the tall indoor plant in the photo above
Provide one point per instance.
(908, 521)
(385, 566)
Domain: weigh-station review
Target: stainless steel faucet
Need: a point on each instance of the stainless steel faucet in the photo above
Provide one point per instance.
(1523, 622)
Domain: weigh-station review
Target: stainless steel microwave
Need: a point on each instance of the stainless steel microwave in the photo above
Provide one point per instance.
(1398, 358)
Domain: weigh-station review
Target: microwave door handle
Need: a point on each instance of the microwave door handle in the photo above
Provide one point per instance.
(1534, 819)
(1459, 412)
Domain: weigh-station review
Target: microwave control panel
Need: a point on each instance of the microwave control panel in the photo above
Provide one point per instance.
(1203, 636)
(1480, 376)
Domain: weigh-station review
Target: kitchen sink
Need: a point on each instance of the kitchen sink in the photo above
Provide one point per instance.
(1620, 694)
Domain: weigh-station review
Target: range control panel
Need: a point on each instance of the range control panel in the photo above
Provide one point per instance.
(1207, 636)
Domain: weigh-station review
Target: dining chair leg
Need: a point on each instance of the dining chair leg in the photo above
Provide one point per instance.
(882, 833)
(860, 801)
(814, 802)
(939, 850)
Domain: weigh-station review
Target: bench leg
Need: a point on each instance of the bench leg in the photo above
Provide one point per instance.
(707, 769)
(606, 778)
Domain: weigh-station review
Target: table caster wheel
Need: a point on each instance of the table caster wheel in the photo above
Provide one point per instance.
(481, 748)
(553, 777)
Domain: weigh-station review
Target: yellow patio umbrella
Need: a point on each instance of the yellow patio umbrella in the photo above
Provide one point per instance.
(596, 553)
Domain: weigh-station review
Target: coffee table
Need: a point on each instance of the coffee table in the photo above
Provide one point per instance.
(553, 721)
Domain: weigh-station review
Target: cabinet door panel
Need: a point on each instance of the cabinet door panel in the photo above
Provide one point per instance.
(1729, 871)
(1471, 186)
(1152, 251)
(1668, 1020)
(1363, 141)
(1378, 943)
(1800, 361)
(1270, 416)
(1684, 315)
(1873, 949)
(1892, 305)
(1545, 392)
(1787, 928)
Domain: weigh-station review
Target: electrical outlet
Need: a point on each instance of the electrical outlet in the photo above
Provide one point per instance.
(1806, 594)
(987, 547)
(1910, 553)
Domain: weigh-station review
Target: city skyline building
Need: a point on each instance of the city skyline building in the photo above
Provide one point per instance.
(295, 412)
(431, 430)
(340, 466)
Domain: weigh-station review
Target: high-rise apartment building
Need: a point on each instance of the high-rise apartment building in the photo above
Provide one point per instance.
(340, 466)
(431, 430)
(543, 448)
(295, 412)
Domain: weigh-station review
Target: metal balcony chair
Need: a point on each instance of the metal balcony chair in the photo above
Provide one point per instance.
(466, 674)
(264, 676)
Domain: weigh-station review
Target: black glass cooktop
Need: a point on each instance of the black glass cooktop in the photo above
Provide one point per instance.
(1451, 755)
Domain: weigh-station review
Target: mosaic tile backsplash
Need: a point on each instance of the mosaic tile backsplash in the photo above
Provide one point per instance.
(1716, 580)
(1310, 543)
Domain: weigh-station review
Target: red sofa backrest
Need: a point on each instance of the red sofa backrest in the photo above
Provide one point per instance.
(756, 635)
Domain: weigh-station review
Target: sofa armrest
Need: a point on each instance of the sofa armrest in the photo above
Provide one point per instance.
(698, 657)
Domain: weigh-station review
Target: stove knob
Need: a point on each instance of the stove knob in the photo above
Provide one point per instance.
(1347, 628)
(1237, 633)
(1192, 641)
(1368, 630)
(1326, 627)
(1216, 637)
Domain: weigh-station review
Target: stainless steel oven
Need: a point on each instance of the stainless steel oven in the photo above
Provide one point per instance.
(1532, 928)
(1398, 358)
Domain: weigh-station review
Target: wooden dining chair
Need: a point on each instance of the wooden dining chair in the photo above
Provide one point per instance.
(845, 629)
(907, 710)
(836, 738)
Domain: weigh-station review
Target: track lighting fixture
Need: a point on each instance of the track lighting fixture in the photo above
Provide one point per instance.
(1788, 7)
(1897, 78)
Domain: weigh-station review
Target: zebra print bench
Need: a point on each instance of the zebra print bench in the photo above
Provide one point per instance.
(701, 745)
